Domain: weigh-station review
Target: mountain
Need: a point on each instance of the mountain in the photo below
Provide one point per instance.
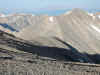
(18, 56)
(64, 44)
(70, 27)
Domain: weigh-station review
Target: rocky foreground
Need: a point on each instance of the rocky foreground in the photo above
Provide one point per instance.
(20, 57)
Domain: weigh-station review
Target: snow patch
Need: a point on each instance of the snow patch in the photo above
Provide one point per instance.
(92, 15)
(2, 15)
(99, 16)
(51, 19)
(33, 15)
(69, 12)
(95, 28)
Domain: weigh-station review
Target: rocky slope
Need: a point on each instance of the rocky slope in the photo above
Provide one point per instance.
(77, 27)
(21, 57)
(51, 44)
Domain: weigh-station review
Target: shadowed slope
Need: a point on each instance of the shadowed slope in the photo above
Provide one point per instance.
(21, 56)
(67, 54)
(7, 26)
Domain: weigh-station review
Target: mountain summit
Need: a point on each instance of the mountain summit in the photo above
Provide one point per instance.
(78, 28)
(50, 45)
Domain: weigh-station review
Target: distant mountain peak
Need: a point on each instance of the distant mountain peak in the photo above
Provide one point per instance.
(78, 9)
(75, 11)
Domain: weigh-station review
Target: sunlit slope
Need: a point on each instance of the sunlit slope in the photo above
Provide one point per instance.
(77, 27)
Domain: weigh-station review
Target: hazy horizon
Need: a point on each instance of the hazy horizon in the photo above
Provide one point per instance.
(51, 7)
(49, 4)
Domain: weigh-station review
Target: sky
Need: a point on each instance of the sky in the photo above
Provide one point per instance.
(49, 4)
